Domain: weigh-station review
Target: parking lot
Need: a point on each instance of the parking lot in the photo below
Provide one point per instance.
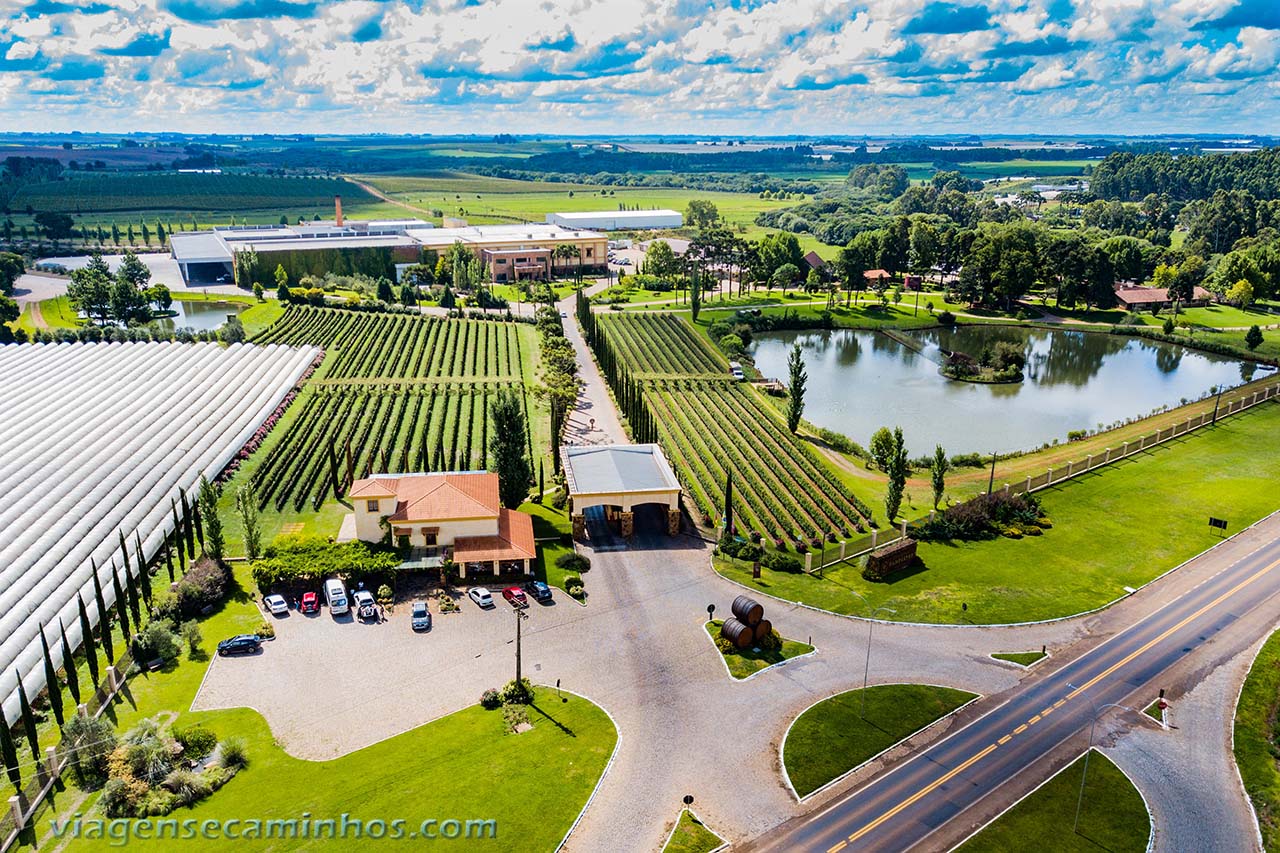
(329, 684)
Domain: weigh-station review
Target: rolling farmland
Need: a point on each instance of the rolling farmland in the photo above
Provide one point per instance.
(396, 393)
(711, 426)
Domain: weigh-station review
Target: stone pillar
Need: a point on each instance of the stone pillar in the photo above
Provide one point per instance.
(843, 549)
(528, 570)
(51, 760)
(113, 678)
(462, 571)
(673, 522)
(1124, 451)
(1070, 465)
(628, 522)
(1006, 489)
(1048, 481)
(82, 709)
(579, 528)
(15, 809)
(808, 562)
(875, 534)
(904, 523)
(933, 513)
(497, 567)
(1088, 462)
(1107, 458)
(1028, 487)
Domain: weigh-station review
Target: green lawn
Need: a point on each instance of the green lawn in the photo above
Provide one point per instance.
(551, 522)
(1256, 733)
(691, 836)
(1112, 818)
(1119, 526)
(745, 663)
(1020, 658)
(462, 766)
(1211, 316)
(833, 737)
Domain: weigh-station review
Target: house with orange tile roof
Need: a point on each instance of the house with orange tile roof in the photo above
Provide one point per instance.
(453, 514)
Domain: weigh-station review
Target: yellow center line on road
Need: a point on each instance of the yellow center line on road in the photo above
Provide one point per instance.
(960, 768)
(838, 847)
(1166, 634)
(978, 756)
(1004, 740)
(1046, 712)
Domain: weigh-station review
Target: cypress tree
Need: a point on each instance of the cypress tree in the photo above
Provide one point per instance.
(90, 647)
(124, 553)
(52, 685)
(69, 665)
(122, 607)
(333, 471)
(131, 592)
(28, 722)
(728, 503)
(168, 557)
(144, 572)
(176, 536)
(186, 525)
(9, 753)
(197, 521)
(541, 489)
(104, 619)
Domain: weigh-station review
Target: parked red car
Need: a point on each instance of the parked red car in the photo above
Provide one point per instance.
(310, 603)
(515, 595)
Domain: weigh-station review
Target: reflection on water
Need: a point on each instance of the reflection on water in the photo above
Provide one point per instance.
(859, 381)
(199, 315)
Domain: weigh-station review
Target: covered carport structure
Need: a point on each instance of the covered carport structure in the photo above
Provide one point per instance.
(619, 478)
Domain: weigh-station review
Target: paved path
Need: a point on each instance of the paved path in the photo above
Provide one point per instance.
(594, 419)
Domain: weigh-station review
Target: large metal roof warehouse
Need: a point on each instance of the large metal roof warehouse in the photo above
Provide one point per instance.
(618, 220)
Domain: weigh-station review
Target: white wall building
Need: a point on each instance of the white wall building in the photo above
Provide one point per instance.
(618, 220)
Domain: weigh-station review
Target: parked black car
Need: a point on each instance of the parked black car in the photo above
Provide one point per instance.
(539, 590)
(245, 644)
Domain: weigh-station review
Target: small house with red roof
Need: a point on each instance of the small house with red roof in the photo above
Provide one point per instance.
(454, 514)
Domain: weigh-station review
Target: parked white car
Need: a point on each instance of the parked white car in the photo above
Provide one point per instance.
(366, 607)
(481, 596)
(276, 605)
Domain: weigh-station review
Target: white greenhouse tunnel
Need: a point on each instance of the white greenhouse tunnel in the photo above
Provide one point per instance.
(97, 440)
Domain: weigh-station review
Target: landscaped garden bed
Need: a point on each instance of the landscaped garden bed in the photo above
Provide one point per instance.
(771, 651)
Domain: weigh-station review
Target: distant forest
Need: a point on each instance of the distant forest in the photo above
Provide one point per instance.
(1127, 176)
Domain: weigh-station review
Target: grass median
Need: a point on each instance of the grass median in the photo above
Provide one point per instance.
(692, 836)
(1256, 732)
(836, 735)
(1113, 817)
(1118, 526)
(744, 663)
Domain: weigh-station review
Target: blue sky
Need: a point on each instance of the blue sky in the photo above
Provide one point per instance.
(642, 66)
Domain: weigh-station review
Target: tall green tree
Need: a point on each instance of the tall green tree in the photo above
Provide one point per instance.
(247, 507)
(728, 503)
(508, 450)
(69, 670)
(104, 617)
(122, 604)
(212, 523)
(28, 722)
(798, 378)
(87, 641)
(9, 753)
(1253, 338)
(53, 687)
(897, 476)
(938, 473)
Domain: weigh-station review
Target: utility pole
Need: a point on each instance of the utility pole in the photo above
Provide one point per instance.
(991, 481)
(1216, 401)
(520, 617)
(1097, 712)
(866, 667)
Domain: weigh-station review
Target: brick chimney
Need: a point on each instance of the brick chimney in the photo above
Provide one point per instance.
(337, 210)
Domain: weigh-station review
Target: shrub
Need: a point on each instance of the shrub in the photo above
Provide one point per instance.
(725, 647)
(968, 460)
(187, 787)
(156, 641)
(447, 604)
(780, 562)
(514, 716)
(983, 517)
(574, 562)
(1077, 434)
(233, 755)
(518, 692)
(90, 742)
(574, 586)
(191, 635)
(120, 796)
(384, 595)
(771, 642)
(750, 552)
(490, 699)
(267, 631)
(308, 558)
(203, 586)
(197, 741)
(946, 318)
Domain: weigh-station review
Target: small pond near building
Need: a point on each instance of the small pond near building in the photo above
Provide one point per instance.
(862, 380)
(200, 315)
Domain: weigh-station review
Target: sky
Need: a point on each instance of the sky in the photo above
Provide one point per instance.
(642, 66)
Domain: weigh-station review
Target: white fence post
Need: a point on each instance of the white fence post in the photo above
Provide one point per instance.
(808, 562)
(1088, 462)
(875, 534)
(113, 678)
(843, 546)
(1028, 489)
(1107, 458)
(904, 527)
(51, 759)
(1070, 465)
(1006, 489)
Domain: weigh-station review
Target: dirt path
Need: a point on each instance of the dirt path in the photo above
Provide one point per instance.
(37, 316)
(379, 194)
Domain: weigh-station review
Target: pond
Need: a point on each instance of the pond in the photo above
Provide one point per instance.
(860, 381)
(200, 315)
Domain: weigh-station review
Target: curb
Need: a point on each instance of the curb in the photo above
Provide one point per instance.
(786, 777)
(724, 845)
(733, 678)
(603, 774)
(1235, 765)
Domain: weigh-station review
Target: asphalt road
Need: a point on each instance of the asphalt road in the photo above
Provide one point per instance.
(903, 807)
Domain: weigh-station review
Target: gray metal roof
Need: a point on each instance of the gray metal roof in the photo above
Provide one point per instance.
(613, 468)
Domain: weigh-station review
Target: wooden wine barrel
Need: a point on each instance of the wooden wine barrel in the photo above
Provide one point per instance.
(762, 629)
(748, 610)
(737, 633)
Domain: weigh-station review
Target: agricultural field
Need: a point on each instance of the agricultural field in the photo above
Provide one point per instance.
(711, 426)
(396, 393)
(99, 192)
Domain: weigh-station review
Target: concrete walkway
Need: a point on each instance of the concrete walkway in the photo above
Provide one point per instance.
(594, 419)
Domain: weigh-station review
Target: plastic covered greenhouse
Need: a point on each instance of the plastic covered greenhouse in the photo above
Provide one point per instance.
(97, 439)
